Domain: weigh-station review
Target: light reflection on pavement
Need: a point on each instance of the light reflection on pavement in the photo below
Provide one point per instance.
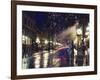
(38, 57)
(45, 59)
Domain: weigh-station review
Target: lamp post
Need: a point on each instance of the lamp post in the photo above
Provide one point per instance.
(78, 55)
(79, 36)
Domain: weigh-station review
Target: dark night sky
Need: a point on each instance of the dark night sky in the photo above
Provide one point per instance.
(46, 21)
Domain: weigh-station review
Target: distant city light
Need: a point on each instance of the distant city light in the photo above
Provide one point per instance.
(51, 41)
(46, 41)
(37, 40)
(23, 37)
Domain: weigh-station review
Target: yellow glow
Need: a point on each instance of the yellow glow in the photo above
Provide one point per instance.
(46, 56)
(37, 40)
(50, 41)
(23, 37)
(46, 42)
(79, 31)
(58, 44)
(26, 39)
(75, 41)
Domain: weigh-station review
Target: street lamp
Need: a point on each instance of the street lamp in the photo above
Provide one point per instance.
(46, 41)
(79, 36)
(37, 40)
(79, 31)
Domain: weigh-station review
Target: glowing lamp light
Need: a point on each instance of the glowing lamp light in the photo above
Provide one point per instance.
(50, 41)
(37, 40)
(58, 44)
(46, 42)
(79, 31)
(23, 37)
